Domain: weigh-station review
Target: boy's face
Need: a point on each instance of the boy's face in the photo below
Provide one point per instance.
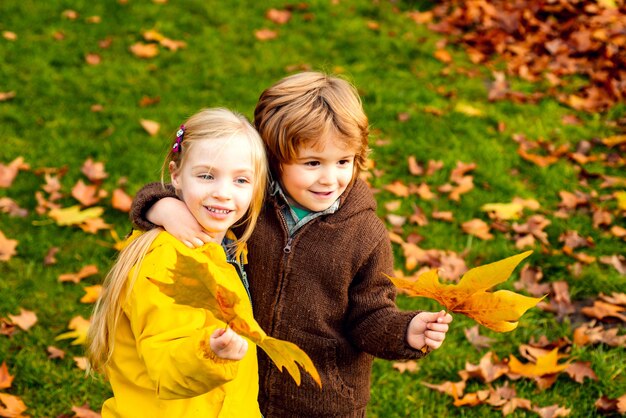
(318, 176)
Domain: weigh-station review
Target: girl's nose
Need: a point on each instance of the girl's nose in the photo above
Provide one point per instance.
(222, 191)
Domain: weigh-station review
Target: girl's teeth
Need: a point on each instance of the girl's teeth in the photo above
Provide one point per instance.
(223, 211)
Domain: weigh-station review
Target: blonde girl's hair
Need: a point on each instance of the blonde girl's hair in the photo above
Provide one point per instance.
(207, 124)
(305, 108)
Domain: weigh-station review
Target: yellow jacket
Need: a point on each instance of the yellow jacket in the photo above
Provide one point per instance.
(162, 365)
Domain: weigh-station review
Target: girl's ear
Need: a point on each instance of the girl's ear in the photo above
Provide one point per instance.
(174, 174)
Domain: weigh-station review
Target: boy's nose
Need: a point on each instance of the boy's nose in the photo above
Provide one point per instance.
(328, 176)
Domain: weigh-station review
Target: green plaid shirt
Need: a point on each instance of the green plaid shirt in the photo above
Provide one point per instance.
(293, 222)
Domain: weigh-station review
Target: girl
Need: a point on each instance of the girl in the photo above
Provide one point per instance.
(169, 360)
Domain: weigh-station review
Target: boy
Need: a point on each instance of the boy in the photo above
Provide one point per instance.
(318, 253)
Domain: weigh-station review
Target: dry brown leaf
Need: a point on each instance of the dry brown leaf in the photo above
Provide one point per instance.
(49, 258)
(10, 206)
(93, 225)
(601, 310)
(443, 56)
(579, 370)
(478, 341)
(55, 352)
(84, 411)
(84, 272)
(489, 368)
(81, 362)
(25, 319)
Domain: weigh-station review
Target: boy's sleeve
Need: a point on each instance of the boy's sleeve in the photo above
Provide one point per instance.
(143, 201)
(376, 325)
(172, 339)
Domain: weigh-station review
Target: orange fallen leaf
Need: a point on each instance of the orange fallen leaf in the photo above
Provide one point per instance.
(85, 412)
(443, 56)
(87, 195)
(150, 126)
(92, 293)
(478, 228)
(9, 172)
(7, 247)
(279, 17)
(121, 201)
(545, 365)
(498, 311)
(142, 50)
(601, 310)
(25, 320)
(11, 406)
(5, 378)
(265, 34)
(86, 271)
(581, 369)
(410, 366)
(6, 95)
(94, 170)
(398, 188)
(81, 362)
(55, 352)
(93, 225)
(9, 36)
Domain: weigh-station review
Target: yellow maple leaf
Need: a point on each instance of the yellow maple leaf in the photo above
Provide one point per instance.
(196, 286)
(504, 210)
(546, 364)
(73, 215)
(498, 311)
(79, 325)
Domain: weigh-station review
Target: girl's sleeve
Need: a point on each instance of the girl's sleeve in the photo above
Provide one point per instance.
(143, 201)
(376, 325)
(171, 339)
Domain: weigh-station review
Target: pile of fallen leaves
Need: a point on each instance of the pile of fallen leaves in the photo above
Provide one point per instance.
(556, 41)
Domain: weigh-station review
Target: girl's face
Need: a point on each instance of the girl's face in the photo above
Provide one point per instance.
(216, 182)
(318, 176)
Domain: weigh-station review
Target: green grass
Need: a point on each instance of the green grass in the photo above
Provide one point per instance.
(50, 124)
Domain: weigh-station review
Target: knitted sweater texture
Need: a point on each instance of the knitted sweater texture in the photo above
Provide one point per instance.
(324, 289)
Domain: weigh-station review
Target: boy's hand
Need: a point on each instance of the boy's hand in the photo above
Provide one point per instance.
(428, 329)
(172, 214)
(227, 344)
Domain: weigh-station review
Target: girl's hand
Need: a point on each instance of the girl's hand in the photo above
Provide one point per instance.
(172, 214)
(227, 344)
(428, 329)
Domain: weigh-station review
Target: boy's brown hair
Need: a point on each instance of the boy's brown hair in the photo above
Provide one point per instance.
(304, 108)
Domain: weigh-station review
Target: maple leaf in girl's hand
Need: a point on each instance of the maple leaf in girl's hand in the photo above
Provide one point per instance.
(194, 284)
(498, 311)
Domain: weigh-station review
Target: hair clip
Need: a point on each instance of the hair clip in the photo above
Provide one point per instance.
(179, 139)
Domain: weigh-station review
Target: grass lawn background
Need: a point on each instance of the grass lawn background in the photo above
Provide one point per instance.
(374, 44)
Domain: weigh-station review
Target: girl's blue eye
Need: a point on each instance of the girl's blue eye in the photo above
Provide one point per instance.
(243, 180)
(206, 176)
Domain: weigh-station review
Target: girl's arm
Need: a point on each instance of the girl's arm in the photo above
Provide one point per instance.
(156, 205)
(174, 341)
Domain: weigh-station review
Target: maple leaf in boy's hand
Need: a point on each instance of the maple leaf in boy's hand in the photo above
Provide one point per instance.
(498, 311)
(195, 285)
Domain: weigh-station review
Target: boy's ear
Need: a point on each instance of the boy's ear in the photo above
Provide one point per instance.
(174, 173)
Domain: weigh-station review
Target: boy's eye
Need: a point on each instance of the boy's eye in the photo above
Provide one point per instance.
(312, 163)
(344, 162)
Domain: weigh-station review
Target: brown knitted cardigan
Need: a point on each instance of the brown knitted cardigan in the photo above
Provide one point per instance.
(328, 295)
